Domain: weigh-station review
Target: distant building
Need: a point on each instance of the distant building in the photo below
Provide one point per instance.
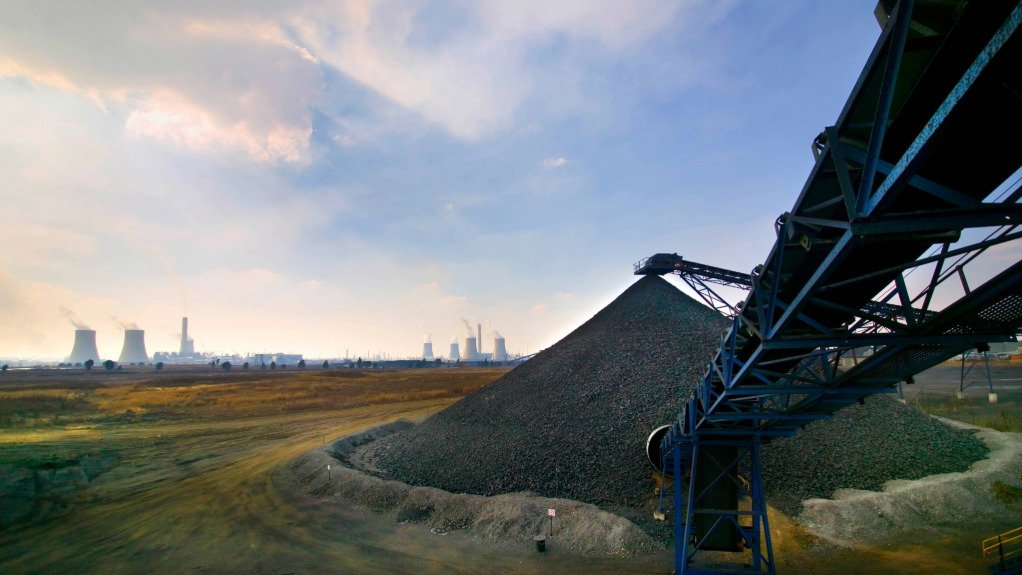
(278, 358)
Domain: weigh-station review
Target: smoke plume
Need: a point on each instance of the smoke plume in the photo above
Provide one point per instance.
(469, 332)
(71, 317)
(124, 324)
(427, 338)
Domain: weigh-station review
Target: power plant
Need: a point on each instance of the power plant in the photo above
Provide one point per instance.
(473, 345)
(133, 350)
(85, 347)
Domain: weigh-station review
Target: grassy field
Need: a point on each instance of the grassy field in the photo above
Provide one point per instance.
(935, 392)
(31, 399)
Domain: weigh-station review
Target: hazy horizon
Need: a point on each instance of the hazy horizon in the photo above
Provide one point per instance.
(312, 177)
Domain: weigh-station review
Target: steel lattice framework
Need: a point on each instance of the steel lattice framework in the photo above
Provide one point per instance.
(912, 161)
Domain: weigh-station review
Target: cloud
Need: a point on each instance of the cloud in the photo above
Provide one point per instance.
(552, 163)
(185, 76)
(171, 118)
(39, 246)
(469, 67)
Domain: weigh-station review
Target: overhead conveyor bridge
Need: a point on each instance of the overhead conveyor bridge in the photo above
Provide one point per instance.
(918, 173)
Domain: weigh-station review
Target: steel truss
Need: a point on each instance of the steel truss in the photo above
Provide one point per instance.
(698, 277)
(905, 170)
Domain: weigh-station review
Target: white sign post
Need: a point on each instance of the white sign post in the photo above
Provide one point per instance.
(551, 513)
(328, 472)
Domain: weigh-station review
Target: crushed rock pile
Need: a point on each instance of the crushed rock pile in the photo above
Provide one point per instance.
(572, 422)
(581, 527)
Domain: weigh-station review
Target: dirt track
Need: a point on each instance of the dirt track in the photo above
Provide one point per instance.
(208, 496)
(200, 497)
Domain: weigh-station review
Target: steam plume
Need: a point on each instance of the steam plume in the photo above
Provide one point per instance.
(468, 329)
(71, 317)
(124, 324)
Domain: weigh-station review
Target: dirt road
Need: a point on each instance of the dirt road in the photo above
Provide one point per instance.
(203, 497)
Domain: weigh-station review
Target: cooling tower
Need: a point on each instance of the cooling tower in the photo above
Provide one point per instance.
(134, 347)
(499, 351)
(470, 349)
(85, 347)
(454, 351)
(427, 350)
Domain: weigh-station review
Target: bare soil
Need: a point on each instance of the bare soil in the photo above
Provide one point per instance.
(194, 472)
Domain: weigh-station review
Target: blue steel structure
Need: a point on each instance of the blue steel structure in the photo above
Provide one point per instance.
(925, 148)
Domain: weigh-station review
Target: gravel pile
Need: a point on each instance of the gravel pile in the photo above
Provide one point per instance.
(572, 422)
(863, 447)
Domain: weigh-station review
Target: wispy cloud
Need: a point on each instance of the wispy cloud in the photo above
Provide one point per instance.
(232, 85)
(552, 163)
(470, 68)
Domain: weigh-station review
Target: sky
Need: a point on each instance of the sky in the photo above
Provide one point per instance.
(351, 175)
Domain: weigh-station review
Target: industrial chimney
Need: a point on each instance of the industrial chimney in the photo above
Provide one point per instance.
(85, 347)
(187, 344)
(470, 349)
(134, 347)
(454, 351)
(479, 337)
(499, 350)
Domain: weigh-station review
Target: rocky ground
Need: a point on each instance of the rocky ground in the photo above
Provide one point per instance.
(572, 422)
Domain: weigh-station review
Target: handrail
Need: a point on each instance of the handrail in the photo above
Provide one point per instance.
(1000, 549)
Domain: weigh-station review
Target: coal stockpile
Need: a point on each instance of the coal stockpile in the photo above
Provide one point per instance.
(861, 448)
(572, 421)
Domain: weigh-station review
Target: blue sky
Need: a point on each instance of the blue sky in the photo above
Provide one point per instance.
(320, 176)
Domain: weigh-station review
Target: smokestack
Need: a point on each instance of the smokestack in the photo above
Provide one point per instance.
(454, 351)
(187, 344)
(85, 347)
(470, 349)
(134, 347)
(479, 337)
(499, 349)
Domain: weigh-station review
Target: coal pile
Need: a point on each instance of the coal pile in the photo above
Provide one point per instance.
(861, 448)
(572, 422)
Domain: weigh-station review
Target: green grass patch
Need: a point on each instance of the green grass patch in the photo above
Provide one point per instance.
(1007, 493)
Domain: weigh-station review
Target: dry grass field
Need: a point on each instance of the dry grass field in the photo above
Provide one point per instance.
(180, 471)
